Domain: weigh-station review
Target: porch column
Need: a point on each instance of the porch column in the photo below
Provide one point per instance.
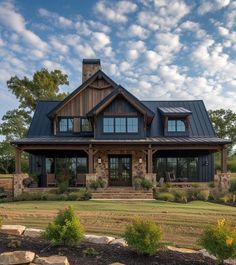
(149, 154)
(18, 160)
(224, 159)
(90, 159)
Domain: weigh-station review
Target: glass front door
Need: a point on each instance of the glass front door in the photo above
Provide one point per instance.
(120, 171)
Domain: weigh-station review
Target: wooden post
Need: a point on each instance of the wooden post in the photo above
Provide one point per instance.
(149, 169)
(224, 159)
(18, 161)
(90, 159)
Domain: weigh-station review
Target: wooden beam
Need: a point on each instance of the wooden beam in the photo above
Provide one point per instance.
(224, 159)
(90, 159)
(18, 160)
(149, 169)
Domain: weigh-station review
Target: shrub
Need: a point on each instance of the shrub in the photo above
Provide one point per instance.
(146, 184)
(63, 187)
(232, 187)
(211, 184)
(195, 185)
(192, 194)
(203, 195)
(216, 194)
(165, 196)
(94, 185)
(180, 195)
(81, 195)
(143, 236)
(220, 241)
(65, 230)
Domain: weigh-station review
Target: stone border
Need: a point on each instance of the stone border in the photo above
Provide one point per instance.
(96, 239)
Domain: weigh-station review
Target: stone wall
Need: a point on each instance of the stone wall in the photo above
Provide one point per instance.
(7, 184)
(222, 181)
(18, 183)
(102, 170)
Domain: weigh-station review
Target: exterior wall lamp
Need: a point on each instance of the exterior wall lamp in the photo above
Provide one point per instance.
(99, 160)
(140, 160)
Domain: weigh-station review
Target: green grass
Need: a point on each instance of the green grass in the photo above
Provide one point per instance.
(182, 223)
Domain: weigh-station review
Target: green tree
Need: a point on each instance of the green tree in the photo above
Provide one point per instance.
(224, 122)
(43, 86)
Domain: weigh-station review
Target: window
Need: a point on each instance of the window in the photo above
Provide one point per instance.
(50, 165)
(176, 126)
(81, 165)
(86, 125)
(66, 124)
(120, 125)
(108, 125)
(132, 125)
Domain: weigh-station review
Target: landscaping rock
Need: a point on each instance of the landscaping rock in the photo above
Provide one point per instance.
(119, 242)
(33, 232)
(98, 239)
(52, 260)
(15, 230)
(16, 257)
(182, 250)
(206, 254)
(117, 263)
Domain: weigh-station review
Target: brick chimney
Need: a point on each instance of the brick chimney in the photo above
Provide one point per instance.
(90, 66)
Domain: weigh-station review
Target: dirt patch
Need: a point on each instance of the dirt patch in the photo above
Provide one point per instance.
(106, 254)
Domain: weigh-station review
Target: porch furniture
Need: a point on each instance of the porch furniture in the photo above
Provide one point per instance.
(80, 180)
(161, 182)
(51, 180)
(170, 176)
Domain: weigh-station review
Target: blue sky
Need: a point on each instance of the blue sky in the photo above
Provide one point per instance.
(157, 49)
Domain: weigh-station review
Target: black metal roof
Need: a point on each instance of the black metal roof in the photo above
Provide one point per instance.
(200, 124)
(175, 110)
(156, 140)
(91, 61)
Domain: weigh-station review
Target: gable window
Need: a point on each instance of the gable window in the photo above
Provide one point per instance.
(120, 125)
(86, 125)
(66, 125)
(132, 125)
(176, 126)
(108, 125)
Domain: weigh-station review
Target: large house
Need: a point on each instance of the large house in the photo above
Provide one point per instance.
(103, 131)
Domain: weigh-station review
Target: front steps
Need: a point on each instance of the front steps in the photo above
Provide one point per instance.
(121, 193)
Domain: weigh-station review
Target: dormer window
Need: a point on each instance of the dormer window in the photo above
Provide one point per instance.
(66, 124)
(120, 125)
(176, 126)
(86, 125)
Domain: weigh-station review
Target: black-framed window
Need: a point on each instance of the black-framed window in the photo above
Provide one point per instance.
(66, 124)
(86, 125)
(108, 125)
(176, 126)
(120, 124)
(132, 125)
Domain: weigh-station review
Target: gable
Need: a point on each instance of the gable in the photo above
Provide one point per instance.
(84, 98)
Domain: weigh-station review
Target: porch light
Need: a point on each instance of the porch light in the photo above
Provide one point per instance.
(140, 160)
(99, 160)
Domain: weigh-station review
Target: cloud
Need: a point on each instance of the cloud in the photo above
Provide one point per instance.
(13, 20)
(115, 12)
(138, 31)
(100, 40)
(59, 21)
(210, 6)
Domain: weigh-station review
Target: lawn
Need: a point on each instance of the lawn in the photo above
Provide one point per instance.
(181, 223)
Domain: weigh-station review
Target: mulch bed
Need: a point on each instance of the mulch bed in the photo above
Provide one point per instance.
(107, 253)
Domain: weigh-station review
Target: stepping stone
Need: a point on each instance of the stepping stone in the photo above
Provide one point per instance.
(52, 260)
(33, 232)
(16, 257)
(15, 230)
(98, 239)
(119, 241)
(183, 250)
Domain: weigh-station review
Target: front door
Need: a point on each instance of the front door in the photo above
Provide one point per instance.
(120, 170)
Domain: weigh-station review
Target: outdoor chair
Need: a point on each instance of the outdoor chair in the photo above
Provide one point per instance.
(51, 180)
(80, 180)
(170, 176)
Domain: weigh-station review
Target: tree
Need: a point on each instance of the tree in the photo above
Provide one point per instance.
(43, 86)
(224, 122)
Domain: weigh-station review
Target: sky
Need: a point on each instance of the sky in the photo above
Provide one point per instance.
(157, 49)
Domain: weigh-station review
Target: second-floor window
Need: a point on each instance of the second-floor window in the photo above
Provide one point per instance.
(86, 125)
(176, 126)
(66, 124)
(120, 124)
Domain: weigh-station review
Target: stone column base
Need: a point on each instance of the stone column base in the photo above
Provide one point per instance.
(90, 177)
(222, 181)
(18, 186)
(151, 177)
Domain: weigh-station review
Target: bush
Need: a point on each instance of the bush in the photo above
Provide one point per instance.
(65, 230)
(144, 236)
(211, 184)
(203, 195)
(180, 196)
(63, 187)
(192, 194)
(220, 240)
(81, 195)
(146, 184)
(232, 187)
(165, 196)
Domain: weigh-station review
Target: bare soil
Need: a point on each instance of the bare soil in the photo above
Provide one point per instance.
(107, 254)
